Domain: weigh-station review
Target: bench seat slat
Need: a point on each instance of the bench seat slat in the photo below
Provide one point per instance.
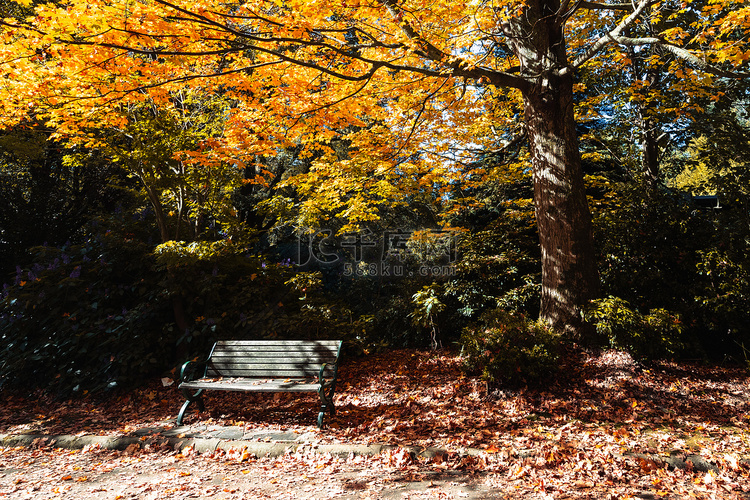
(251, 348)
(261, 374)
(259, 385)
(242, 365)
(313, 359)
(276, 352)
(329, 343)
(276, 357)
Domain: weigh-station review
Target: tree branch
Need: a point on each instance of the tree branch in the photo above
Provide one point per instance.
(455, 65)
(605, 39)
(680, 53)
(605, 6)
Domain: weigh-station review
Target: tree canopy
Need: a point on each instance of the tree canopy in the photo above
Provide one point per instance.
(418, 89)
(286, 115)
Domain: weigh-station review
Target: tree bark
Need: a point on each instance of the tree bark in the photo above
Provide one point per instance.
(650, 152)
(569, 274)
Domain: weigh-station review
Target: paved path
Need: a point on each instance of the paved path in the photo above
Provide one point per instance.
(208, 438)
(32, 472)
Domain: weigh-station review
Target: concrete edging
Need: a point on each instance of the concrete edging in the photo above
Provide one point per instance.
(206, 445)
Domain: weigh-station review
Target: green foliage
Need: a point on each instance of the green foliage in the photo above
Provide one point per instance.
(499, 256)
(180, 253)
(427, 305)
(658, 252)
(304, 281)
(656, 334)
(649, 247)
(510, 349)
(104, 313)
(228, 293)
(44, 199)
(171, 150)
(723, 303)
(387, 308)
(647, 244)
(84, 317)
(498, 267)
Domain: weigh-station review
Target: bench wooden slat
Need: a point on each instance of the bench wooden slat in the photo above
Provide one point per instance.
(260, 364)
(282, 347)
(311, 359)
(260, 352)
(250, 386)
(262, 373)
(258, 367)
(274, 343)
(307, 357)
(273, 368)
(274, 362)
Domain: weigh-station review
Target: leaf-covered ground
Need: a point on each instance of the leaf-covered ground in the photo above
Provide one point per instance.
(606, 428)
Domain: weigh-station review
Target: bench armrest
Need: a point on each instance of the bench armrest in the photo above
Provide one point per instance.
(190, 369)
(332, 367)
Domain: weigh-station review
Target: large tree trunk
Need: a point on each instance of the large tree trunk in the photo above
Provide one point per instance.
(569, 275)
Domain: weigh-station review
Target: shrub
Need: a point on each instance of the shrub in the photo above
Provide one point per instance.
(656, 334)
(723, 301)
(510, 349)
(427, 305)
(84, 317)
(498, 267)
(102, 313)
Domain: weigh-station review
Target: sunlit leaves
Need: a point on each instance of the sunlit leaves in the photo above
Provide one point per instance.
(303, 72)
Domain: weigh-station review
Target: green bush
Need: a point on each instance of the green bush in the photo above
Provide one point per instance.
(103, 314)
(723, 302)
(510, 349)
(498, 267)
(84, 317)
(653, 335)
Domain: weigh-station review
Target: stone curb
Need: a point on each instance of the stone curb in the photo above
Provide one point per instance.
(261, 449)
(207, 445)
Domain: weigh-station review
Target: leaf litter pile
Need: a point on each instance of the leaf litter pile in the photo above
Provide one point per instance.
(608, 428)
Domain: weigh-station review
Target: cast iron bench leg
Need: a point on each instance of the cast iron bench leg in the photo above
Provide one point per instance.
(326, 403)
(190, 398)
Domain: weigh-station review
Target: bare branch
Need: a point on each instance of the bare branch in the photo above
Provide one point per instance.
(605, 6)
(680, 53)
(609, 37)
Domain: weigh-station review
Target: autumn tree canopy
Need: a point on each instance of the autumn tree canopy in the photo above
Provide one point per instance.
(417, 89)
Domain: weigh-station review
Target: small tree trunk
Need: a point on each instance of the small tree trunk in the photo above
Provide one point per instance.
(650, 152)
(178, 304)
(161, 219)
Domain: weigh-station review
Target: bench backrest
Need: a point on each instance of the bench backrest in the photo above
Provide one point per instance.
(271, 358)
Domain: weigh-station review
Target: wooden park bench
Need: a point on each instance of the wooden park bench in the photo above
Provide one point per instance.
(264, 366)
